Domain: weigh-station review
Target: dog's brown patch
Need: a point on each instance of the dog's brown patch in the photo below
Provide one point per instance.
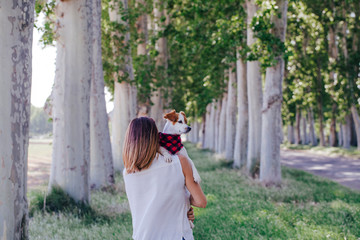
(172, 116)
(185, 119)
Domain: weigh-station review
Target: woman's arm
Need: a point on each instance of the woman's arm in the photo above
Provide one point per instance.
(197, 198)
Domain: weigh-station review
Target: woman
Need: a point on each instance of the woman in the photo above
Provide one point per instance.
(157, 191)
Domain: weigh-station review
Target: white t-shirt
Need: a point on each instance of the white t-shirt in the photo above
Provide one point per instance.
(159, 201)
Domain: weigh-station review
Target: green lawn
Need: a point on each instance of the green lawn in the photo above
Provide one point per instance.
(306, 207)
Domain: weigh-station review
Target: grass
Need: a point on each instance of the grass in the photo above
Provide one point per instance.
(352, 152)
(305, 207)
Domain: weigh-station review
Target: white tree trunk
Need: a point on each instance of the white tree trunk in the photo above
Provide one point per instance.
(120, 122)
(222, 124)
(201, 132)
(157, 109)
(304, 130)
(216, 125)
(313, 139)
(270, 167)
(346, 132)
(297, 126)
(16, 28)
(340, 135)
(101, 161)
(124, 94)
(290, 135)
(142, 30)
(254, 86)
(231, 114)
(206, 132)
(356, 118)
(196, 130)
(71, 144)
(242, 127)
(212, 126)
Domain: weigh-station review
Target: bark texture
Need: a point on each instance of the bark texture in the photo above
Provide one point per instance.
(254, 86)
(270, 167)
(346, 138)
(124, 92)
(16, 28)
(231, 109)
(242, 126)
(304, 135)
(290, 134)
(313, 139)
(101, 161)
(356, 118)
(157, 107)
(222, 124)
(71, 109)
(297, 126)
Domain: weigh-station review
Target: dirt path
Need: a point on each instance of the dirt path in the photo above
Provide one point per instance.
(343, 170)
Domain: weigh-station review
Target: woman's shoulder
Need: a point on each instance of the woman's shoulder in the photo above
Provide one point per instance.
(158, 162)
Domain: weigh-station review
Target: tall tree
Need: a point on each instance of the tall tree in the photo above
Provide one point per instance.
(231, 114)
(123, 75)
(71, 92)
(17, 21)
(254, 88)
(101, 161)
(157, 98)
(242, 127)
(270, 167)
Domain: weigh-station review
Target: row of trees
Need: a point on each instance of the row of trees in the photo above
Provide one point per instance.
(209, 58)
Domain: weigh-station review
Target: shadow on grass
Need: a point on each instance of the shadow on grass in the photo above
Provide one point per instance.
(57, 201)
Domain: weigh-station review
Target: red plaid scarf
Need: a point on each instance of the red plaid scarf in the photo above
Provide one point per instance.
(170, 142)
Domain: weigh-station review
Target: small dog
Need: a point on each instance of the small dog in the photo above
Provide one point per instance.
(170, 141)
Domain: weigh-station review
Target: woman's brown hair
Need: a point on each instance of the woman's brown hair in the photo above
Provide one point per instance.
(141, 144)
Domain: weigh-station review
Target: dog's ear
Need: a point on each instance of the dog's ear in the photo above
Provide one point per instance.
(185, 119)
(172, 116)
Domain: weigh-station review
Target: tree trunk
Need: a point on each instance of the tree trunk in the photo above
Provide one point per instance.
(16, 31)
(297, 126)
(254, 88)
(321, 125)
(222, 124)
(290, 135)
(101, 161)
(356, 119)
(210, 127)
(206, 132)
(196, 131)
(333, 57)
(142, 52)
(270, 167)
(124, 94)
(242, 127)
(71, 144)
(156, 110)
(346, 132)
(304, 130)
(120, 122)
(340, 135)
(231, 114)
(202, 131)
(216, 125)
(313, 139)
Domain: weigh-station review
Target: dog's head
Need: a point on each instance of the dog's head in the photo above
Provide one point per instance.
(176, 123)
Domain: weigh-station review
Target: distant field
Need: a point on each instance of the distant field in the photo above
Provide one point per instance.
(39, 162)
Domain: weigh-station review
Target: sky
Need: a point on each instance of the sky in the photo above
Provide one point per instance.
(44, 73)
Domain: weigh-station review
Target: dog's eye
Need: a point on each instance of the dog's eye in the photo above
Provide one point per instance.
(180, 121)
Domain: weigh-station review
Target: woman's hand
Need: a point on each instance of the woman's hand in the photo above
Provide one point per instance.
(190, 214)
